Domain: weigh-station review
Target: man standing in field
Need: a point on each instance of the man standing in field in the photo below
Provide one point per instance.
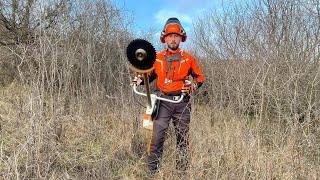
(172, 69)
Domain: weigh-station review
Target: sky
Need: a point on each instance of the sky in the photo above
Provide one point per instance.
(151, 15)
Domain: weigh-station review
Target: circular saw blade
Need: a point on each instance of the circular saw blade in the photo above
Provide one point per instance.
(141, 54)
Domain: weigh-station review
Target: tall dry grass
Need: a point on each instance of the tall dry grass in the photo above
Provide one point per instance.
(96, 141)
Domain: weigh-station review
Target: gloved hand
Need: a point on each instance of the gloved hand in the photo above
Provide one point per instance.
(136, 80)
(188, 87)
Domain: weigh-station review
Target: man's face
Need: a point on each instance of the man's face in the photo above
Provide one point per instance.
(173, 41)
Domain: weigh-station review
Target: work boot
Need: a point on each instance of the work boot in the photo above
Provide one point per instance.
(153, 171)
(153, 164)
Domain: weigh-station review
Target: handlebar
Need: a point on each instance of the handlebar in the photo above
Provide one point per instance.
(159, 98)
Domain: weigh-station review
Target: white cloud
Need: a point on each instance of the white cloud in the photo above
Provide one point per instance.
(187, 12)
(162, 15)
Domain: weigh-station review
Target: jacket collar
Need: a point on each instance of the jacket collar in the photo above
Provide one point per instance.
(169, 52)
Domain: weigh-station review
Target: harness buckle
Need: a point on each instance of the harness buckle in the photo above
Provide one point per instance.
(176, 98)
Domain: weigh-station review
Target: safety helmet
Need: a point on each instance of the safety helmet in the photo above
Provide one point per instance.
(173, 25)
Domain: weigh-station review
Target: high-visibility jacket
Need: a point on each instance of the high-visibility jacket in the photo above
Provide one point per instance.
(171, 69)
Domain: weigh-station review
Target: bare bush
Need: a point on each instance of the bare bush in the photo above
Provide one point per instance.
(269, 58)
(75, 59)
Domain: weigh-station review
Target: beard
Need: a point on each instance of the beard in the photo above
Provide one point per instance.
(173, 46)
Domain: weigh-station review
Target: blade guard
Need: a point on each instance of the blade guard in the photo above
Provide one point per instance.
(147, 117)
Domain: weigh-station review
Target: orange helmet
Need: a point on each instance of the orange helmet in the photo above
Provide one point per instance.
(173, 25)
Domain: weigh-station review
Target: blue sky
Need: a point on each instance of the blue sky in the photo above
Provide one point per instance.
(150, 15)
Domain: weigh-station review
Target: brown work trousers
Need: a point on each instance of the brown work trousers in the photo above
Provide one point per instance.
(180, 115)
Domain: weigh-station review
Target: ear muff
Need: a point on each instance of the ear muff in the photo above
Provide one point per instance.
(162, 37)
(184, 35)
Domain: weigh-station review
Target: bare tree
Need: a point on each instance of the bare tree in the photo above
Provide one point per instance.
(271, 51)
(18, 19)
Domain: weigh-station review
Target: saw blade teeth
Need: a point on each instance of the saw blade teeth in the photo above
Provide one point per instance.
(149, 54)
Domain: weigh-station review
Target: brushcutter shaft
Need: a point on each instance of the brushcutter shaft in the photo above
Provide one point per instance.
(146, 81)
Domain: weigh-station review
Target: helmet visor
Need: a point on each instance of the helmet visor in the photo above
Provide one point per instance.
(173, 28)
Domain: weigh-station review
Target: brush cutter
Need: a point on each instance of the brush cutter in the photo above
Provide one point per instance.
(141, 55)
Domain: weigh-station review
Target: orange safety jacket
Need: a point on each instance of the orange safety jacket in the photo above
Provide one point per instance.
(171, 69)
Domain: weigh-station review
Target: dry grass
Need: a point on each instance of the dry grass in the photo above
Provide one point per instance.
(96, 141)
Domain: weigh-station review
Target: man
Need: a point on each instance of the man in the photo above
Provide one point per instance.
(172, 68)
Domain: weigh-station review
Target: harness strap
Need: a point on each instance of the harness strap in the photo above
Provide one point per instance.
(169, 60)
